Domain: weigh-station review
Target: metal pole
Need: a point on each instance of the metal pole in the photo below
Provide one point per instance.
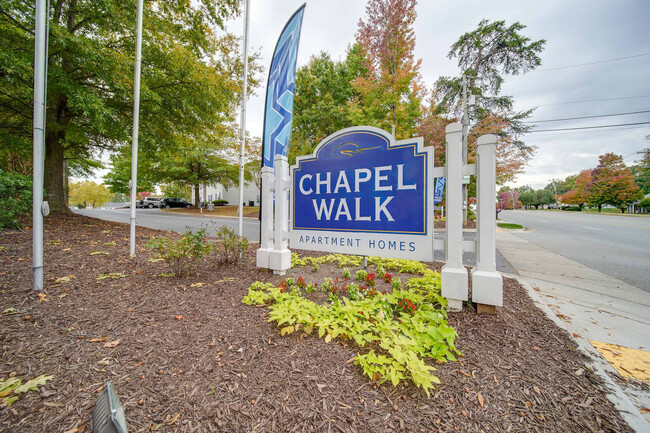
(40, 79)
(465, 159)
(136, 112)
(243, 120)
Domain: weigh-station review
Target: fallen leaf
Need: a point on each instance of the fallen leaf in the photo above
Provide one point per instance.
(32, 384)
(537, 348)
(481, 402)
(42, 297)
(111, 344)
(175, 418)
(98, 340)
(197, 285)
(179, 317)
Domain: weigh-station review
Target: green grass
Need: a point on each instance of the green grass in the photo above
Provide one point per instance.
(510, 226)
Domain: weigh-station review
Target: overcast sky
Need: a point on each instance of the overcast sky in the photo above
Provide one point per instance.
(577, 32)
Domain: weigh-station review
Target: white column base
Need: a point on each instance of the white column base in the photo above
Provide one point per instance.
(280, 261)
(262, 257)
(455, 305)
(454, 286)
(487, 288)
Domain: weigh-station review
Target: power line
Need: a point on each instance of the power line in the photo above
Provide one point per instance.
(589, 100)
(587, 117)
(589, 127)
(590, 63)
(593, 131)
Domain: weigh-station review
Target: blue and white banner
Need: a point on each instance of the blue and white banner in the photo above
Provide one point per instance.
(278, 110)
(438, 190)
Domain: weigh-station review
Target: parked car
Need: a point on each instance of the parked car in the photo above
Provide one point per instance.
(149, 202)
(169, 202)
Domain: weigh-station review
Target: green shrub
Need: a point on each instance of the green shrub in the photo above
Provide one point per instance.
(220, 202)
(233, 245)
(645, 203)
(182, 255)
(16, 198)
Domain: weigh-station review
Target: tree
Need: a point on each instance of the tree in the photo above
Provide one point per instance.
(389, 88)
(190, 75)
(177, 189)
(16, 198)
(196, 163)
(321, 102)
(641, 171)
(613, 183)
(86, 193)
(579, 195)
(484, 56)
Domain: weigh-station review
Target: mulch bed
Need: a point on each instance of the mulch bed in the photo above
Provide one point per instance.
(192, 358)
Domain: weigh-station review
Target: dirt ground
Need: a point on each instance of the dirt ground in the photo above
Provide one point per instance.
(186, 355)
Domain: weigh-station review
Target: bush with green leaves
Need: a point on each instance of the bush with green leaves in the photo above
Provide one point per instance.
(220, 202)
(16, 198)
(182, 255)
(233, 245)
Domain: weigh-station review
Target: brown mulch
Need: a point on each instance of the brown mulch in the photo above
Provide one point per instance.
(192, 358)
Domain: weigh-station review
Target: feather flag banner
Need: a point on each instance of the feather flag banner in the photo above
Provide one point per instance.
(278, 111)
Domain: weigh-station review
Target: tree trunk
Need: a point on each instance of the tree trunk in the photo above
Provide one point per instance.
(599, 207)
(196, 195)
(53, 180)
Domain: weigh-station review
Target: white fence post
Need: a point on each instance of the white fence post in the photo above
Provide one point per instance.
(487, 283)
(266, 235)
(454, 275)
(280, 256)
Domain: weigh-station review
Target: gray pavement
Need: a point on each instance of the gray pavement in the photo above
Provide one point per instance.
(591, 306)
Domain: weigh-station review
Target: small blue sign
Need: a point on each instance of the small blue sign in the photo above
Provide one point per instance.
(357, 181)
(439, 190)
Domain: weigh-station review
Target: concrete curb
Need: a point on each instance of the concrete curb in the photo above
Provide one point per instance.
(629, 412)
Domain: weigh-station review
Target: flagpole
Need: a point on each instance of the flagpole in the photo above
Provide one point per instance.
(136, 113)
(243, 119)
(40, 80)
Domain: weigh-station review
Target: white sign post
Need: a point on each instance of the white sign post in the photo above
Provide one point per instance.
(487, 283)
(454, 275)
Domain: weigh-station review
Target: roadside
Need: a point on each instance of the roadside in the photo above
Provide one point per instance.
(224, 211)
(598, 310)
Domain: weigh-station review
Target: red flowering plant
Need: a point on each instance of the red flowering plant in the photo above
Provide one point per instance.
(370, 279)
(406, 305)
(301, 283)
(387, 277)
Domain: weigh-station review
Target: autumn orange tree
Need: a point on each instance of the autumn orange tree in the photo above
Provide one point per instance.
(389, 90)
(579, 195)
(613, 183)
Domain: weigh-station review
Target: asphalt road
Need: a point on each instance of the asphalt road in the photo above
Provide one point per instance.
(157, 219)
(616, 245)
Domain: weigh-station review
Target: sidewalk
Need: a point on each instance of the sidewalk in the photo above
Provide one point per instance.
(598, 310)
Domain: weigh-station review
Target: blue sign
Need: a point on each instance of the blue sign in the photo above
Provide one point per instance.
(360, 192)
(439, 190)
(278, 111)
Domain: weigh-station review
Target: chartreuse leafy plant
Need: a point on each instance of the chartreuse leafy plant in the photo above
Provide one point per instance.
(405, 326)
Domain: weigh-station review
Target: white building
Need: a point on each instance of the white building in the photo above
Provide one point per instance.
(210, 193)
